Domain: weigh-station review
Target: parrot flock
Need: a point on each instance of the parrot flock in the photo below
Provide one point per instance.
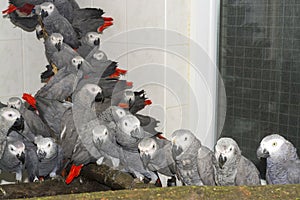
(86, 113)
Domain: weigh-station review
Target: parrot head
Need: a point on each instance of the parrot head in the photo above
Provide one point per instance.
(46, 147)
(100, 134)
(128, 96)
(77, 62)
(117, 112)
(130, 125)
(95, 91)
(147, 147)
(11, 119)
(56, 39)
(275, 146)
(15, 102)
(181, 140)
(47, 9)
(226, 150)
(16, 148)
(92, 38)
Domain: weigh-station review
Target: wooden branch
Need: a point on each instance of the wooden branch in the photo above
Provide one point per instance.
(94, 179)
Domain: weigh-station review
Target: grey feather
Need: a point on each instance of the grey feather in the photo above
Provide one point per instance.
(231, 167)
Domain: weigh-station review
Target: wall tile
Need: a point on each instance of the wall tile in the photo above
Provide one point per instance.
(145, 13)
(34, 63)
(11, 77)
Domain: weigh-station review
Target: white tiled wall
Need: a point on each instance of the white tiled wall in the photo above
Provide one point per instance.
(164, 75)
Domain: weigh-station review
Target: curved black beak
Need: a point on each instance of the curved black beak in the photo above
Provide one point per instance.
(97, 42)
(44, 13)
(21, 157)
(262, 153)
(58, 46)
(41, 154)
(222, 160)
(79, 66)
(99, 97)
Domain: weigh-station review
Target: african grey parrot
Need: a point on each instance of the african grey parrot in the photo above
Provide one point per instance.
(231, 167)
(54, 22)
(62, 84)
(88, 42)
(77, 125)
(50, 157)
(32, 121)
(10, 119)
(283, 163)
(129, 132)
(13, 157)
(22, 13)
(193, 160)
(98, 59)
(105, 142)
(83, 19)
(57, 51)
(156, 155)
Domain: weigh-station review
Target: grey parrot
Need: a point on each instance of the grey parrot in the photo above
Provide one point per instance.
(129, 133)
(193, 160)
(50, 157)
(32, 121)
(58, 52)
(83, 19)
(13, 157)
(105, 142)
(98, 59)
(283, 163)
(22, 13)
(77, 125)
(90, 41)
(156, 155)
(10, 120)
(231, 167)
(62, 84)
(54, 22)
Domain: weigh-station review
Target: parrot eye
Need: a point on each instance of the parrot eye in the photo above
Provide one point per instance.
(230, 149)
(274, 144)
(10, 115)
(185, 139)
(105, 132)
(125, 124)
(19, 103)
(49, 145)
(11, 148)
(50, 7)
(153, 146)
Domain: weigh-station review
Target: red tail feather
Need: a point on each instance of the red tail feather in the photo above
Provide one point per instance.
(29, 99)
(160, 136)
(74, 172)
(130, 84)
(121, 71)
(104, 26)
(11, 8)
(147, 102)
(114, 75)
(107, 18)
(27, 8)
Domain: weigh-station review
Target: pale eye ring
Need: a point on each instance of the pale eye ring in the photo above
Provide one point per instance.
(274, 144)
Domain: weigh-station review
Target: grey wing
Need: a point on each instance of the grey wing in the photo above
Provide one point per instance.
(65, 28)
(36, 125)
(148, 123)
(51, 112)
(205, 166)
(293, 169)
(31, 161)
(247, 173)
